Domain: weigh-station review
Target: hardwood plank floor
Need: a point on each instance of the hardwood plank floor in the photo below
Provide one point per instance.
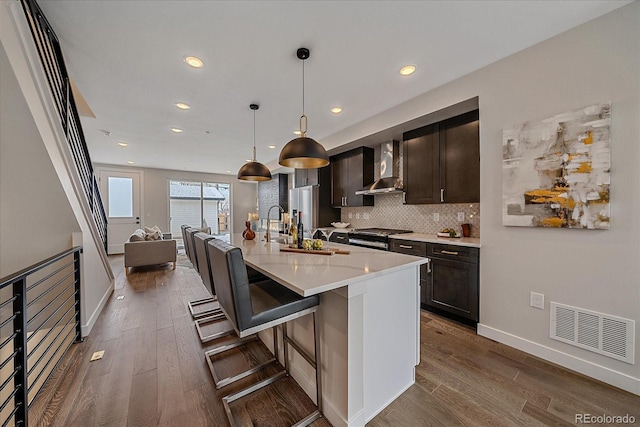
(154, 373)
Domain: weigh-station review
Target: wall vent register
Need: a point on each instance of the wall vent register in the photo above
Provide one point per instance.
(601, 333)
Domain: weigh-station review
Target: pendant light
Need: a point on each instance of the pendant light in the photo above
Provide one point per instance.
(303, 152)
(254, 170)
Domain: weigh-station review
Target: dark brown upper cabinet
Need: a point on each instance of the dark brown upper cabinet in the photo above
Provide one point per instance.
(442, 161)
(350, 172)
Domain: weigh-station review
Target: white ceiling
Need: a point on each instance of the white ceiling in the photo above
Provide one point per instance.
(126, 58)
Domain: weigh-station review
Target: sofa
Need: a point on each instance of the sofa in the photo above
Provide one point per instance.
(148, 248)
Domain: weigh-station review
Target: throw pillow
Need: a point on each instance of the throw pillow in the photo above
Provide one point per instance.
(153, 233)
(137, 236)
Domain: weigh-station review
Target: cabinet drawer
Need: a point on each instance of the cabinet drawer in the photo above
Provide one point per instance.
(408, 247)
(453, 252)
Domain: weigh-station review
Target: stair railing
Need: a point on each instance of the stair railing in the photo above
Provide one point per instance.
(54, 67)
(39, 320)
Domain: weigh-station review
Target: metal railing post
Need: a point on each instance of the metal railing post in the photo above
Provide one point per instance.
(76, 266)
(20, 344)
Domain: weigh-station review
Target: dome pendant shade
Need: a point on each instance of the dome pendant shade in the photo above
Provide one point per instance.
(303, 153)
(254, 170)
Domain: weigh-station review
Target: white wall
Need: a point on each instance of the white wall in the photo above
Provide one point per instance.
(155, 194)
(597, 270)
(36, 220)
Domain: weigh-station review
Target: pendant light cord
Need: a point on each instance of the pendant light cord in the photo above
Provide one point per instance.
(254, 135)
(303, 133)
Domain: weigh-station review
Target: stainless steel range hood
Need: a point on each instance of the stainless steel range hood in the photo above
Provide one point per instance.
(390, 181)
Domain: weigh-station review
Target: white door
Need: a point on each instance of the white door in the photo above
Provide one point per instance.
(121, 192)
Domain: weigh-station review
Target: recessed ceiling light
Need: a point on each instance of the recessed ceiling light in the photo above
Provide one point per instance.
(194, 61)
(336, 110)
(122, 144)
(407, 70)
(130, 162)
(297, 132)
(271, 146)
(183, 106)
(228, 171)
(176, 130)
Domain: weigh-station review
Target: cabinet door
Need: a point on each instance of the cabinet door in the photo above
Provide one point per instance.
(421, 164)
(453, 287)
(300, 177)
(303, 177)
(312, 177)
(460, 159)
(359, 174)
(339, 180)
(424, 283)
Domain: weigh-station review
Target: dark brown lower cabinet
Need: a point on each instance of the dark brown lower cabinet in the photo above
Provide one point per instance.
(452, 284)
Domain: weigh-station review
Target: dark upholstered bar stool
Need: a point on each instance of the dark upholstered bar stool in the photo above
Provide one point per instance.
(202, 307)
(183, 228)
(206, 306)
(190, 232)
(252, 308)
(206, 310)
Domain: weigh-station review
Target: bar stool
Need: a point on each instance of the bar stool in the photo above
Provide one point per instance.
(206, 308)
(252, 308)
(188, 234)
(193, 257)
(183, 228)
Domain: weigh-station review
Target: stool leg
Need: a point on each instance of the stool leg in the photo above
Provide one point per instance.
(316, 338)
(275, 343)
(285, 340)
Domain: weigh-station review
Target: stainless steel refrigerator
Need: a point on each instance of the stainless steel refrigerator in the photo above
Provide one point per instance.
(316, 212)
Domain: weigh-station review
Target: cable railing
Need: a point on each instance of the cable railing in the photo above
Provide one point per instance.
(54, 67)
(39, 320)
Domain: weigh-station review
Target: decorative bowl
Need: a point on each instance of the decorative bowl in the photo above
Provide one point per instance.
(340, 224)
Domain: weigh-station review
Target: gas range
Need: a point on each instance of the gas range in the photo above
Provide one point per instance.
(377, 238)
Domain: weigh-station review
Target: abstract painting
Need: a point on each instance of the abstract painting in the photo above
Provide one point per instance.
(556, 172)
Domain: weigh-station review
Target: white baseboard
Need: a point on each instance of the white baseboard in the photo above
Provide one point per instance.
(601, 373)
(86, 328)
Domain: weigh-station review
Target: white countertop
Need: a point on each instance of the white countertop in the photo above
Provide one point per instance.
(429, 238)
(308, 274)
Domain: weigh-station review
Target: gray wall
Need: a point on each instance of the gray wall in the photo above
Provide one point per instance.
(597, 270)
(155, 193)
(32, 202)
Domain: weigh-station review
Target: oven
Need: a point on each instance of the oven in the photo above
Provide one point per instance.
(375, 238)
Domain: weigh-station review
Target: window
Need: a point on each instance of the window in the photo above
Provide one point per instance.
(199, 204)
(120, 197)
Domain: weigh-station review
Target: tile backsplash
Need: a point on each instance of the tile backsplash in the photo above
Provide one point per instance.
(389, 212)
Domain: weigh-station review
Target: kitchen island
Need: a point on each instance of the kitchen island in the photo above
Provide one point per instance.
(369, 322)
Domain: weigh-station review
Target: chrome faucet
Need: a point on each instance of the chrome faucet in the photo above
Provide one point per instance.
(267, 235)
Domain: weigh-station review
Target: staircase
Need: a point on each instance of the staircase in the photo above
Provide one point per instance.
(54, 68)
(35, 56)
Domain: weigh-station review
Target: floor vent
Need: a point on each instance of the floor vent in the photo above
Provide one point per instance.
(601, 333)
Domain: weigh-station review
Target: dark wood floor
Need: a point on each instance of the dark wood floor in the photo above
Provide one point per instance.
(154, 373)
